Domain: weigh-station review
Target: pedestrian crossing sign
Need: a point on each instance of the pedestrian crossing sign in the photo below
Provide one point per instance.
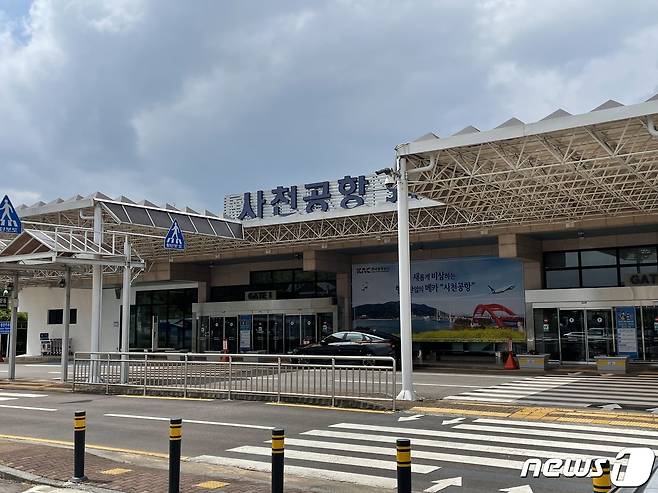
(174, 239)
(9, 220)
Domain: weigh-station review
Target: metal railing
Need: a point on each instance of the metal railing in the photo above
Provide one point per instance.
(366, 378)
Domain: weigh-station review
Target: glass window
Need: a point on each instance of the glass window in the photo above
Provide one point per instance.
(282, 276)
(326, 276)
(159, 297)
(627, 272)
(143, 297)
(333, 338)
(638, 255)
(599, 277)
(562, 279)
(560, 260)
(304, 276)
(354, 337)
(56, 317)
(598, 257)
(261, 277)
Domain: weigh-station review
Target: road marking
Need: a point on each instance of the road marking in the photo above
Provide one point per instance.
(167, 398)
(561, 434)
(28, 408)
(420, 454)
(326, 408)
(17, 394)
(89, 446)
(593, 429)
(304, 472)
(442, 484)
(471, 446)
(191, 421)
(333, 459)
(551, 397)
(466, 412)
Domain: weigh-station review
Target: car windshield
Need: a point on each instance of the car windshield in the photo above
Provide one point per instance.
(332, 338)
(375, 338)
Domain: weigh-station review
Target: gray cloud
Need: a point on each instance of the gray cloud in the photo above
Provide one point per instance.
(186, 101)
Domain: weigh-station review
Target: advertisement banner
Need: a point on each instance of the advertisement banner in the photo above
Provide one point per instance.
(245, 333)
(626, 331)
(457, 300)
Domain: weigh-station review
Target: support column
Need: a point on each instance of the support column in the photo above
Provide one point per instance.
(125, 313)
(67, 324)
(96, 291)
(404, 262)
(13, 330)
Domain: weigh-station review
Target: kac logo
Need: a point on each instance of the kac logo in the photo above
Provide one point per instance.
(631, 467)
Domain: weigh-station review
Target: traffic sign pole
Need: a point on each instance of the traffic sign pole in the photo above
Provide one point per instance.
(13, 331)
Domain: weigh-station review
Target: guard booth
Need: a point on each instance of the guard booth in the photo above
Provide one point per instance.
(262, 326)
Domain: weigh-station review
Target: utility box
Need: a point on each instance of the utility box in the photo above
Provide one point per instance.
(612, 364)
(537, 362)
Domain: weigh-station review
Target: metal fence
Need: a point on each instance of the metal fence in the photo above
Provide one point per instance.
(366, 378)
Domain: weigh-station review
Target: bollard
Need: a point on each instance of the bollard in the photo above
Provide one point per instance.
(403, 453)
(278, 438)
(602, 483)
(175, 435)
(79, 429)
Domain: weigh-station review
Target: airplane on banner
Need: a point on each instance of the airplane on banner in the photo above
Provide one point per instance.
(501, 291)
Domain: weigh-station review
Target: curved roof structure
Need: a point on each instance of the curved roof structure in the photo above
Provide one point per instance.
(563, 168)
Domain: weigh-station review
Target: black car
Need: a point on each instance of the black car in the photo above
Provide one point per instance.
(349, 344)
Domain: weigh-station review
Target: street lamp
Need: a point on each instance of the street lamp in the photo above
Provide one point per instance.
(398, 176)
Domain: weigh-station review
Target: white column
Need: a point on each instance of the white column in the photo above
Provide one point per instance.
(96, 291)
(125, 313)
(67, 324)
(13, 330)
(404, 264)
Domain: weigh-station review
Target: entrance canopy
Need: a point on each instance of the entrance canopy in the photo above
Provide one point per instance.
(563, 168)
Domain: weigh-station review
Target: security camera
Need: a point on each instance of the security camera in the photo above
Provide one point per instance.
(62, 283)
(384, 171)
(5, 292)
(389, 181)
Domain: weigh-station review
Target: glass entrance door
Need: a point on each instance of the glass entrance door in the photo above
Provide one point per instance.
(231, 333)
(216, 334)
(275, 334)
(599, 333)
(572, 335)
(585, 334)
(292, 332)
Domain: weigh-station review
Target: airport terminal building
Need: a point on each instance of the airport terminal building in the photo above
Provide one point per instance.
(543, 233)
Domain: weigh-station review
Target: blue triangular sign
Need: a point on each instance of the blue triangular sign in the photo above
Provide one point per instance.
(9, 220)
(174, 239)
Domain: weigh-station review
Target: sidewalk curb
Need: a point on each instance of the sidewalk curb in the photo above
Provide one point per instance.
(11, 473)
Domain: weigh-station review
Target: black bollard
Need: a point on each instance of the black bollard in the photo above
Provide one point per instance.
(79, 430)
(278, 438)
(175, 436)
(403, 455)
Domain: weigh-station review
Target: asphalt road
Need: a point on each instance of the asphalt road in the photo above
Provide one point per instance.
(332, 444)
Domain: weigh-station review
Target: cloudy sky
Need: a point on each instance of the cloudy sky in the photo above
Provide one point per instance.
(184, 101)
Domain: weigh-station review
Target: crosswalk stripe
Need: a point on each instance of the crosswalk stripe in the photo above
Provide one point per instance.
(567, 426)
(420, 442)
(585, 393)
(305, 472)
(507, 401)
(17, 394)
(556, 397)
(561, 434)
(420, 454)
(332, 458)
(453, 434)
(576, 387)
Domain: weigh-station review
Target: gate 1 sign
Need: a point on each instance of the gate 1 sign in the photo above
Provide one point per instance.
(4, 327)
(626, 331)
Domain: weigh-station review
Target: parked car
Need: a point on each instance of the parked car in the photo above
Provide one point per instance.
(349, 344)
